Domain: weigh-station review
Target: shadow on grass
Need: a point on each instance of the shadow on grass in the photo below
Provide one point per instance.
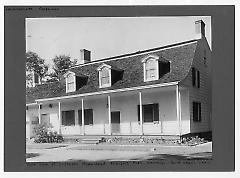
(31, 155)
(154, 157)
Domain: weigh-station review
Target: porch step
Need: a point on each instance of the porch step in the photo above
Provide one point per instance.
(91, 140)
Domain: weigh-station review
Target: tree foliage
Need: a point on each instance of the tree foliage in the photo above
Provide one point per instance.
(36, 64)
(60, 65)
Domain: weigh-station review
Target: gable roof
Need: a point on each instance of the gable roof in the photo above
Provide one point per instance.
(180, 55)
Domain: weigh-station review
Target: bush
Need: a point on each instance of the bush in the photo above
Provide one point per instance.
(45, 135)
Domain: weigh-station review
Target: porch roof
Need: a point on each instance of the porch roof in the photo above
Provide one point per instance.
(180, 55)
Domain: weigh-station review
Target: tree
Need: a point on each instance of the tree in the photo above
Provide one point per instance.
(35, 64)
(60, 65)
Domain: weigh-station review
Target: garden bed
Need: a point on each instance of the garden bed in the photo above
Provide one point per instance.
(191, 141)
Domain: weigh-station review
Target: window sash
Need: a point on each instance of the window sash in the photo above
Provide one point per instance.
(70, 86)
(150, 73)
(70, 78)
(88, 117)
(104, 80)
(68, 118)
(150, 64)
(150, 112)
(105, 72)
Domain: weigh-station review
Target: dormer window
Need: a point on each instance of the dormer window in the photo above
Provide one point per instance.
(154, 67)
(151, 68)
(70, 82)
(104, 73)
(74, 81)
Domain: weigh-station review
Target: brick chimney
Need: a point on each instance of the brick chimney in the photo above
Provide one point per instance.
(85, 56)
(199, 29)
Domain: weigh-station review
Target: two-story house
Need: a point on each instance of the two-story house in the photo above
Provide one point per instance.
(165, 91)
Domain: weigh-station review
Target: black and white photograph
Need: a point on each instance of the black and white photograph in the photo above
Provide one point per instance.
(118, 89)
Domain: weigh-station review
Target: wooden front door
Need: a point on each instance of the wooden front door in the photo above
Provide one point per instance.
(115, 119)
(45, 119)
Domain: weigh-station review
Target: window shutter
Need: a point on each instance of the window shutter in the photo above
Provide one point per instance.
(86, 121)
(63, 118)
(91, 116)
(194, 111)
(198, 79)
(199, 110)
(155, 112)
(193, 77)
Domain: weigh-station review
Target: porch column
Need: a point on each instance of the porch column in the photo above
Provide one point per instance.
(180, 112)
(178, 108)
(83, 126)
(60, 116)
(109, 114)
(39, 113)
(141, 113)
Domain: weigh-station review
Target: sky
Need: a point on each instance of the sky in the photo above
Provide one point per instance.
(107, 36)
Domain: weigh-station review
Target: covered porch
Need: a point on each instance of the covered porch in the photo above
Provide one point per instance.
(149, 111)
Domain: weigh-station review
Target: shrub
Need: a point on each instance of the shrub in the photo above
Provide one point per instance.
(45, 135)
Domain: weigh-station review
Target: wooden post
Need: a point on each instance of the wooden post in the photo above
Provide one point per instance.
(109, 115)
(130, 129)
(60, 116)
(178, 108)
(141, 113)
(180, 112)
(83, 124)
(39, 114)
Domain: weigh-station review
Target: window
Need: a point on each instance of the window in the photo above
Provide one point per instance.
(150, 113)
(105, 77)
(36, 78)
(70, 83)
(35, 120)
(196, 111)
(151, 70)
(68, 118)
(104, 73)
(88, 117)
(195, 78)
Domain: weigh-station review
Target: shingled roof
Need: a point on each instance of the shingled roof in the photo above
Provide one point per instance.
(180, 55)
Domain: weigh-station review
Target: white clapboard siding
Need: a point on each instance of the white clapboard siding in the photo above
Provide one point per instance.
(202, 94)
(71, 130)
(151, 128)
(96, 129)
